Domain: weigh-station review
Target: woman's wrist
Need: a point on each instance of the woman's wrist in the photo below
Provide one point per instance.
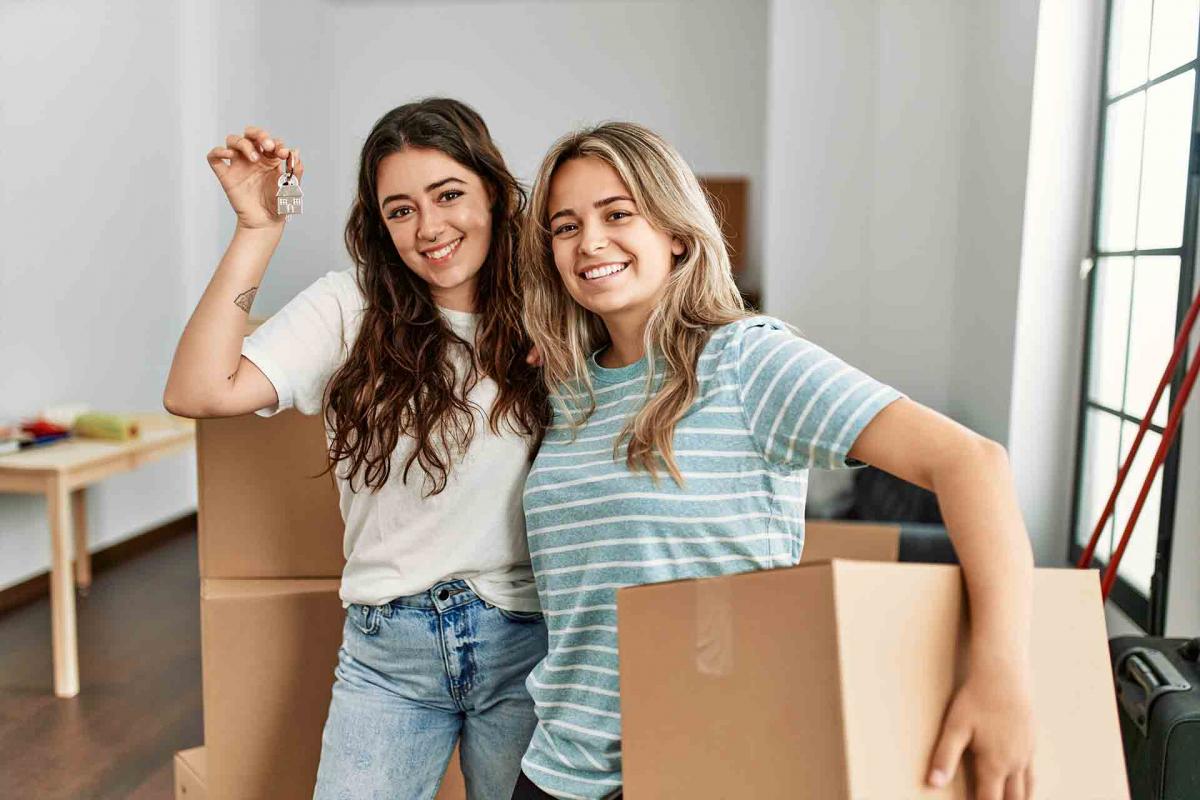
(268, 231)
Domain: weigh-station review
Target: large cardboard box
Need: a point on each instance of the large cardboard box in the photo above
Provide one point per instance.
(265, 510)
(829, 680)
(189, 774)
(857, 541)
(269, 651)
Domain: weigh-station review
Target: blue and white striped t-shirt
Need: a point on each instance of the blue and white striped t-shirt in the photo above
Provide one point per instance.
(769, 406)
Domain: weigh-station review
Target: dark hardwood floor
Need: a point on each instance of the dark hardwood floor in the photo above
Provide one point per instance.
(140, 698)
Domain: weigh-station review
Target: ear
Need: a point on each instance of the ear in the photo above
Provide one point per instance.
(678, 248)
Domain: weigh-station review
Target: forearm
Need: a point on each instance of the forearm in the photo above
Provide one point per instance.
(206, 358)
(979, 505)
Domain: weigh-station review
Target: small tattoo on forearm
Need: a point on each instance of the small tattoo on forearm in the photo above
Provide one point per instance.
(246, 299)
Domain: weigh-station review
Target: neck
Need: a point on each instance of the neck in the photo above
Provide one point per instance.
(458, 298)
(627, 332)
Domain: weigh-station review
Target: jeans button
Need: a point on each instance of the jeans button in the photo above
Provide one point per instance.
(443, 594)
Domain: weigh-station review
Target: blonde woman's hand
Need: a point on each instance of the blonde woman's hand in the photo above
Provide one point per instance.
(991, 715)
(248, 167)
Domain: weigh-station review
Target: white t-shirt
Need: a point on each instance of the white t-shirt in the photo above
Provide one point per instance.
(399, 542)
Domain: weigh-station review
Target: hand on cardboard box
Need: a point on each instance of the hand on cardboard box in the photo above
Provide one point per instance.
(992, 714)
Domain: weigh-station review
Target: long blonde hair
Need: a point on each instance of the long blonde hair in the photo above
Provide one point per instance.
(700, 293)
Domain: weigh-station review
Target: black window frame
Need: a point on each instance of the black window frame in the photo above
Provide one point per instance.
(1148, 611)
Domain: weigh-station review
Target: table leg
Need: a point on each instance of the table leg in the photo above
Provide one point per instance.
(83, 559)
(62, 593)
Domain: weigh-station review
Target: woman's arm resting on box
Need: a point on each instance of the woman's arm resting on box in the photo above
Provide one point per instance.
(991, 713)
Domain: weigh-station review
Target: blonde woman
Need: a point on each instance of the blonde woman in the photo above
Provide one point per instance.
(683, 431)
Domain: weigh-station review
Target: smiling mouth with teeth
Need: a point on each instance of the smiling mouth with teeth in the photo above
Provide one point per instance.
(443, 252)
(604, 271)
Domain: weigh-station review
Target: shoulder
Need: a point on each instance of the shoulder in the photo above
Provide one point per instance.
(339, 287)
(735, 340)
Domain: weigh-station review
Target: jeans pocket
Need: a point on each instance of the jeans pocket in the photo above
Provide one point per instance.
(365, 618)
(521, 617)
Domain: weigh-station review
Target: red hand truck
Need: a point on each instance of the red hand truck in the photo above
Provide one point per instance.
(1181, 342)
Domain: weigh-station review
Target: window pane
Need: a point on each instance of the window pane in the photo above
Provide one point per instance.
(1173, 41)
(1152, 333)
(1101, 440)
(1137, 565)
(1122, 173)
(1165, 161)
(1110, 325)
(1128, 45)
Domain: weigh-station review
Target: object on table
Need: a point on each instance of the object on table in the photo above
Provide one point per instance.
(38, 428)
(97, 425)
(10, 436)
(64, 415)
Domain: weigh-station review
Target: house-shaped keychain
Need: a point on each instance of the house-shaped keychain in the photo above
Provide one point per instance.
(289, 199)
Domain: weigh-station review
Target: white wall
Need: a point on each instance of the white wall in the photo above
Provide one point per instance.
(865, 110)
(1000, 40)
(1051, 295)
(90, 220)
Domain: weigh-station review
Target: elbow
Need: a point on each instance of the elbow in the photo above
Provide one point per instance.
(991, 450)
(970, 451)
(178, 406)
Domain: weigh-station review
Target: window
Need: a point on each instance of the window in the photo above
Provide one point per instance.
(1142, 252)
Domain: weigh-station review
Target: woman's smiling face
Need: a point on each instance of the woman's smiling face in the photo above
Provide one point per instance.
(612, 261)
(438, 214)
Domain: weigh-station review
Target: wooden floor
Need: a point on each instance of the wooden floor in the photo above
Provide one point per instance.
(140, 701)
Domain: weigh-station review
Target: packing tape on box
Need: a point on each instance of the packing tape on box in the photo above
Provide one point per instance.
(714, 627)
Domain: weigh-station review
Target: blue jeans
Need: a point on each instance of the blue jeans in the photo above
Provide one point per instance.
(415, 676)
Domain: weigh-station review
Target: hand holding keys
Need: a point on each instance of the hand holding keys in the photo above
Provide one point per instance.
(260, 176)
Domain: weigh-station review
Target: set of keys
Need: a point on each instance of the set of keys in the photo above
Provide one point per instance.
(289, 199)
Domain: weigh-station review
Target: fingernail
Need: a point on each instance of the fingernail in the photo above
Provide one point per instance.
(937, 778)
(254, 156)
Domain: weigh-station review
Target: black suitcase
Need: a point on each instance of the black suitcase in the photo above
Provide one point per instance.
(1158, 697)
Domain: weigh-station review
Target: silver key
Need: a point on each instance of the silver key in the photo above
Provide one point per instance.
(289, 199)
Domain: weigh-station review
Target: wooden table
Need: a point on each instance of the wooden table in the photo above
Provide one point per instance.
(62, 471)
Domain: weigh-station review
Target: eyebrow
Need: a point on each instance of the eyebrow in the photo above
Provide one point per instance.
(567, 212)
(429, 188)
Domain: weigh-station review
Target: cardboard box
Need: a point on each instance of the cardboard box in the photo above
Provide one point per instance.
(856, 541)
(262, 513)
(269, 651)
(829, 680)
(190, 766)
(189, 774)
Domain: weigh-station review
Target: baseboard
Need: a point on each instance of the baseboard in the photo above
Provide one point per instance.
(37, 587)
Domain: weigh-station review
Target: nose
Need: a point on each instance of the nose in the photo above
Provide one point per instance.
(431, 225)
(591, 240)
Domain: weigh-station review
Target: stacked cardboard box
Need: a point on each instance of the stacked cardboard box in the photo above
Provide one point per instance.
(271, 620)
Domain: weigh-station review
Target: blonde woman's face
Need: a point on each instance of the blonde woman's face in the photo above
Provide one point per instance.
(612, 261)
(438, 214)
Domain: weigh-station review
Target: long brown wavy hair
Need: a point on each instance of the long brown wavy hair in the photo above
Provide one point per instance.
(398, 379)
